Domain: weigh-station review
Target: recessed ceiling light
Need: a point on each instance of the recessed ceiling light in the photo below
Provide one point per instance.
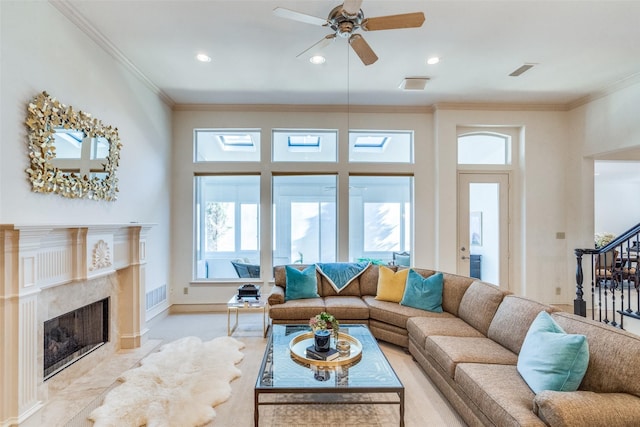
(317, 59)
(203, 58)
(433, 60)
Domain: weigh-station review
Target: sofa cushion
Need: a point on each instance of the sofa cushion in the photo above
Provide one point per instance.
(614, 355)
(448, 352)
(513, 319)
(453, 289)
(391, 284)
(551, 359)
(419, 328)
(369, 280)
(340, 274)
(347, 308)
(423, 293)
(478, 305)
(297, 309)
(499, 392)
(396, 314)
(586, 408)
(300, 284)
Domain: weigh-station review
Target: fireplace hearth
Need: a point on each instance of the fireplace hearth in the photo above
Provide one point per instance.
(73, 335)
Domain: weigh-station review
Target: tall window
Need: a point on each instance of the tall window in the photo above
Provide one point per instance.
(379, 217)
(312, 194)
(304, 211)
(227, 226)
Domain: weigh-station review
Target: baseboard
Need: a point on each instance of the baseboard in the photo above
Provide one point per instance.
(198, 308)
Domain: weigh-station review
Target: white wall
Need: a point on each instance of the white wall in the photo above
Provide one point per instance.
(538, 259)
(616, 189)
(43, 50)
(607, 124)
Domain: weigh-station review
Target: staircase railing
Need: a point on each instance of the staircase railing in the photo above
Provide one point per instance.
(615, 280)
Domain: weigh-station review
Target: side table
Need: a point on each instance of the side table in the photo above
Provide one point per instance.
(246, 304)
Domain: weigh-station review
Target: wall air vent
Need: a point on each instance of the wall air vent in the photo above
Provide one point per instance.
(414, 83)
(517, 72)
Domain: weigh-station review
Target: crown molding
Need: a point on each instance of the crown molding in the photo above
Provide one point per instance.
(606, 91)
(292, 108)
(73, 15)
(499, 107)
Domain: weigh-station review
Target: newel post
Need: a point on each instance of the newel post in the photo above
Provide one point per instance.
(579, 304)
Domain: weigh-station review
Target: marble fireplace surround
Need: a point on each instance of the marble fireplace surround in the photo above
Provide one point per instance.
(49, 270)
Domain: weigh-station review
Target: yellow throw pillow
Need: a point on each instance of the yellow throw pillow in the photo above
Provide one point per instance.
(391, 284)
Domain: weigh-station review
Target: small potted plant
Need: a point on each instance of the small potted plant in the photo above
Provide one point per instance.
(323, 325)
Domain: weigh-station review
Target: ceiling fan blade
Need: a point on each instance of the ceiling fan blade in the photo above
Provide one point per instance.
(297, 16)
(362, 48)
(318, 46)
(351, 7)
(390, 22)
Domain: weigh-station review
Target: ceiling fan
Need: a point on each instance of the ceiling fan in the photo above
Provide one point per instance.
(345, 19)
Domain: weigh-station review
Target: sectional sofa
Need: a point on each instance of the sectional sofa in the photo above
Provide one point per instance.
(470, 350)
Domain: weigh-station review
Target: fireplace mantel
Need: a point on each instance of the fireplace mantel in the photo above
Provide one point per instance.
(37, 259)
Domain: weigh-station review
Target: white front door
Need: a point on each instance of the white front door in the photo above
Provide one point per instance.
(483, 227)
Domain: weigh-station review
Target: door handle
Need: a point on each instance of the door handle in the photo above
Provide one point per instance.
(464, 257)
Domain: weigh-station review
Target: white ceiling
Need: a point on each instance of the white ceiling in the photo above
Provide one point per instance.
(581, 48)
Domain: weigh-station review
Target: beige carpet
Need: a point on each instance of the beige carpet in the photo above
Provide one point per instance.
(329, 414)
(424, 405)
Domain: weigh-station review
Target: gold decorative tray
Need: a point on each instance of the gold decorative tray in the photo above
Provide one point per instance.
(298, 348)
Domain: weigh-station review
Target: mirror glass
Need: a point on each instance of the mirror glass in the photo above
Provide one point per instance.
(71, 152)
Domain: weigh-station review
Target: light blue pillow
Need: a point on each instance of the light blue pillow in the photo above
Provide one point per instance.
(551, 359)
(300, 284)
(425, 294)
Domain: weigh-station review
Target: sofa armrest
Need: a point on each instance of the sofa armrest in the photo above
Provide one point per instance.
(586, 408)
(276, 296)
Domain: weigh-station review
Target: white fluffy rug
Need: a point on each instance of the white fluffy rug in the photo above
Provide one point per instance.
(176, 386)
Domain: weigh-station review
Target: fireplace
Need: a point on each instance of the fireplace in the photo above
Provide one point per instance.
(48, 272)
(73, 335)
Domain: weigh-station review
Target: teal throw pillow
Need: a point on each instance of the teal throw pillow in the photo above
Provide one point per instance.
(300, 284)
(425, 294)
(551, 359)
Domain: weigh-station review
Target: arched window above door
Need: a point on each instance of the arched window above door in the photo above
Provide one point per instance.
(484, 148)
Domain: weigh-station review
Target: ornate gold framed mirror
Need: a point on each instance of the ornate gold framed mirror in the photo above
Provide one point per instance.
(71, 153)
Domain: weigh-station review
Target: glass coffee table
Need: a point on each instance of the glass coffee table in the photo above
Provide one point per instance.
(280, 373)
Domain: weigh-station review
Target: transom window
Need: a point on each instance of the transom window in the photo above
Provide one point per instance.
(484, 148)
(378, 146)
(227, 145)
(291, 145)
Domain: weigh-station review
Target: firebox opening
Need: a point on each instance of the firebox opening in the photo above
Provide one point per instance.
(73, 335)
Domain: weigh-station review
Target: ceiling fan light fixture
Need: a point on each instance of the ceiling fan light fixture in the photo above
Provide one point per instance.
(317, 59)
(414, 83)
